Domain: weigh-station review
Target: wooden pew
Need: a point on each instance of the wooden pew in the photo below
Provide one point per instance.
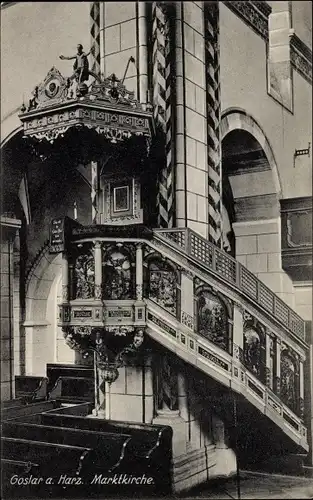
(52, 458)
(14, 470)
(24, 410)
(13, 403)
(73, 390)
(150, 449)
(31, 388)
(109, 447)
(56, 370)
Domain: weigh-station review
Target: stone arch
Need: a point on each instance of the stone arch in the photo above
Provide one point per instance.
(10, 126)
(251, 194)
(238, 119)
(42, 292)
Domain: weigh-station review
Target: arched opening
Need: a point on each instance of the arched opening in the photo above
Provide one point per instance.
(248, 189)
(44, 342)
(251, 200)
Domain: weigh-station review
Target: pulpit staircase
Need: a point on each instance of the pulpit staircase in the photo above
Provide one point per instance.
(260, 410)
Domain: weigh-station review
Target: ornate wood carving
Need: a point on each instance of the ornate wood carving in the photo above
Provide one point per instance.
(107, 107)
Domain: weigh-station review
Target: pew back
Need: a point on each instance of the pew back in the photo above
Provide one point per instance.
(109, 448)
(73, 389)
(55, 458)
(15, 412)
(31, 387)
(56, 370)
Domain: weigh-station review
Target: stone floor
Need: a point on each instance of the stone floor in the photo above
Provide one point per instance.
(255, 486)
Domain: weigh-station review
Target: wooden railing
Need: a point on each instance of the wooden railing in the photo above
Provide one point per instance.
(202, 251)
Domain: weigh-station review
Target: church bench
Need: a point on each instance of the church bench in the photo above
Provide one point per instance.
(147, 439)
(56, 370)
(13, 470)
(15, 412)
(52, 459)
(109, 448)
(150, 449)
(73, 389)
(13, 403)
(31, 388)
(19, 467)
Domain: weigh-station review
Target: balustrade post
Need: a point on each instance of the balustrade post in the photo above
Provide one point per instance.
(65, 278)
(98, 270)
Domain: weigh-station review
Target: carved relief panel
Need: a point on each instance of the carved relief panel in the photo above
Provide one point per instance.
(162, 285)
(289, 378)
(254, 338)
(214, 315)
(83, 280)
(117, 273)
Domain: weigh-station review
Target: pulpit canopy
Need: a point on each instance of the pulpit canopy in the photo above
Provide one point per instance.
(105, 105)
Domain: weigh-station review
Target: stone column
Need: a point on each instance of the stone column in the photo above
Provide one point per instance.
(65, 278)
(213, 101)
(218, 432)
(180, 139)
(143, 52)
(162, 100)
(98, 270)
(172, 417)
(95, 36)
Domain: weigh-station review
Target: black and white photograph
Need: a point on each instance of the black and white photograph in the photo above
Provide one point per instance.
(156, 250)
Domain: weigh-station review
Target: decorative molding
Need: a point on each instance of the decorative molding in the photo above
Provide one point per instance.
(253, 13)
(98, 292)
(301, 57)
(162, 324)
(107, 107)
(139, 292)
(214, 359)
(65, 292)
(187, 320)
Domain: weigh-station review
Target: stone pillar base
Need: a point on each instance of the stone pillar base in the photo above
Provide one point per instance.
(225, 463)
(178, 424)
(97, 414)
(193, 468)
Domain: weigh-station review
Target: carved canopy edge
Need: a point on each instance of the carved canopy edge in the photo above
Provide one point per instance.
(59, 103)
